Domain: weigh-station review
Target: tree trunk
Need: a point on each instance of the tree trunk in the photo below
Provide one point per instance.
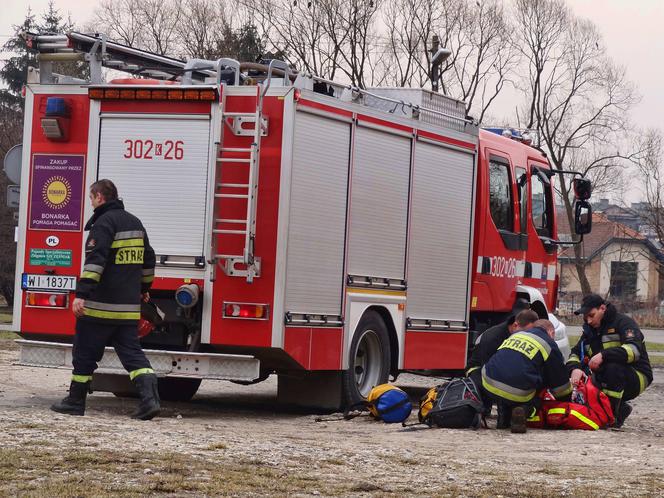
(581, 271)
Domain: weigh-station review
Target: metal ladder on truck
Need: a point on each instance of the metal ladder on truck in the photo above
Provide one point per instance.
(247, 264)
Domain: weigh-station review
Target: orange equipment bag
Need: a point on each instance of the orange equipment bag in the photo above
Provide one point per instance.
(590, 409)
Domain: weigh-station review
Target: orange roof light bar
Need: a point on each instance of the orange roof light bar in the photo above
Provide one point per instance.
(188, 94)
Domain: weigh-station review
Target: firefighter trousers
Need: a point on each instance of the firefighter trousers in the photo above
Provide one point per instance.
(620, 382)
(505, 406)
(92, 337)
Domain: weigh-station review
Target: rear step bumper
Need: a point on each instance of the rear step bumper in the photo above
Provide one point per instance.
(164, 363)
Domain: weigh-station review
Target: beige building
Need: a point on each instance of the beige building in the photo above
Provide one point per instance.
(620, 264)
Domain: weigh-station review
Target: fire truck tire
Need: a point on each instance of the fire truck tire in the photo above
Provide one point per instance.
(177, 388)
(368, 359)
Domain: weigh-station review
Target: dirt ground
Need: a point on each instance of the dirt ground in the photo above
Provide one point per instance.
(235, 441)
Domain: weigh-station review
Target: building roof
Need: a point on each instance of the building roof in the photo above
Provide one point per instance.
(604, 231)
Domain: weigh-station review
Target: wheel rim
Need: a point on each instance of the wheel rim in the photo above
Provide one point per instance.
(367, 364)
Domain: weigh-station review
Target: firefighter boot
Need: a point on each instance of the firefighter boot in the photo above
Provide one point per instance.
(616, 408)
(148, 407)
(518, 420)
(623, 412)
(74, 404)
(504, 414)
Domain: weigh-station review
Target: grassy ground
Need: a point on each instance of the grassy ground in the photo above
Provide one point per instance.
(40, 471)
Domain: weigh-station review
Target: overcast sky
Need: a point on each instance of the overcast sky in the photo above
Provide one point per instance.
(631, 29)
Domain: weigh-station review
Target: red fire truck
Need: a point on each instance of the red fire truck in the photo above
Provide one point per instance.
(329, 235)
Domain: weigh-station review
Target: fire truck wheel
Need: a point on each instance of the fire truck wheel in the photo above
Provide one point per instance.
(177, 388)
(369, 358)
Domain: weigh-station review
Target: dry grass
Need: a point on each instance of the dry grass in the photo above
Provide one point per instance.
(42, 472)
(39, 472)
(216, 446)
(6, 317)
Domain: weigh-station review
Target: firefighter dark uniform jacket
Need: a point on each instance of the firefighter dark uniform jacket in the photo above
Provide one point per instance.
(119, 265)
(619, 339)
(487, 345)
(525, 363)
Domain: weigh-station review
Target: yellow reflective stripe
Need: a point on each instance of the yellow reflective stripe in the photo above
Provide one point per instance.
(127, 243)
(643, 382)
(613, 394)
(115, 315)
(584, 419)
(470, 370)
(562, 390)
(534, 418)
(556, 411)
(574, 358)
(147, 279)
(91, 275)
(611, 344)
(630, 352)
(81, 378)
(141, 371)
(507, 395)
(610, 337)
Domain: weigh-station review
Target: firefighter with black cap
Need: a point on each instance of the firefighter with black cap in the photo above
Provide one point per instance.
(612, 347)
(117, 275)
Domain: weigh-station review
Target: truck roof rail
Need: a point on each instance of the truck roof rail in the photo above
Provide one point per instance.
(100, 52)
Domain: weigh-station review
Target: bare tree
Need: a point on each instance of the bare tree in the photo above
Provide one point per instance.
(541, 27)
(120, 20)
(350, 25)
(161, 19)
(201, 20)
(323, 37)
(410, 27)
(146, 24)
(651, 178)
(480, 37)
(577, 98)
(478, 34)
(299, 30)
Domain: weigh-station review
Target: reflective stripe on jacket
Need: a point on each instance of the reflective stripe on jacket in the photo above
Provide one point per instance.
(618, 338)
(119, 265)
(525, 363)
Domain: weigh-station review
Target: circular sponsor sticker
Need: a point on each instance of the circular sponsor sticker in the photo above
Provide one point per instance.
(52, 241)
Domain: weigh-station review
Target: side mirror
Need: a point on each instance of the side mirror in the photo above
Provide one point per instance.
(582, 189)
(583, 217)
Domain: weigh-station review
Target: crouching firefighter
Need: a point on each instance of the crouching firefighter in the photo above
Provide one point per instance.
(117, 274)
(611, 347)
(525, 363)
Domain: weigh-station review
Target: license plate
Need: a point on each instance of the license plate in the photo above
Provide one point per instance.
(48, 282)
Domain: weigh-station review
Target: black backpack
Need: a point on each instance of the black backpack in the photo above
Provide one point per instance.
(455, 405)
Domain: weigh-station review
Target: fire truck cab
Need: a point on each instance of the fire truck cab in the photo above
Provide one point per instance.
(329, 235)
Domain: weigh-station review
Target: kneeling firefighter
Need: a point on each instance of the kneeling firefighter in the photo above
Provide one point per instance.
(525, 363)
(612, 347)
(117, 275)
